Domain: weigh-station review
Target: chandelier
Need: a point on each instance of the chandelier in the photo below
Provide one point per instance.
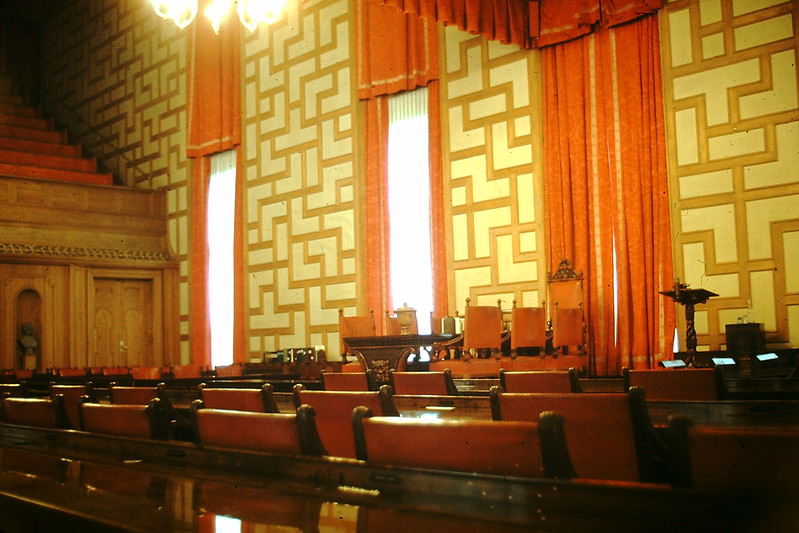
(251, 12)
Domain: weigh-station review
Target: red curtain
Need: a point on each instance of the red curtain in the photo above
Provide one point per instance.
(408, 62)
(214, 115)
(378, 258)
(506, 21)
(528, 23)
(606, 187)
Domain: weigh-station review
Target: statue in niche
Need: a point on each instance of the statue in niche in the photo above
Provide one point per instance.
(28, 343)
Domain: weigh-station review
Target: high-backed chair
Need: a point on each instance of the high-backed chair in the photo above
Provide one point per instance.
(131, 395)
(72, 395)
(38, 412)
(261, 400)
(137, 421)
(334, 413)
(352, 381)
(354, 326)
(700, 384)
(528, 329)
(539, 381)
(609, 435)
(437, 383)
(482, 329)
(759, 462)
(527, 449)
(565, 300)
(284, 433)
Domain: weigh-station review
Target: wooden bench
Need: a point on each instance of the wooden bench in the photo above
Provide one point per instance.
(134, 395)
(609, 435)
(539, 381)
(351, 381)
(526, 449)
(334, 413)
(283, 433)
(72, 395)
(756, 462)
(435, 383)
(39, 412)
(700, 384)
(260, 400)
(138, 421)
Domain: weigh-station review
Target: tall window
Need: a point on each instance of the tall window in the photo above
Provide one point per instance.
(221, 215)
(409, 204)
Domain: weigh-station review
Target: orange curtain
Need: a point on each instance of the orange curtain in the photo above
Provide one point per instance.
(214, 115)
(409, 61)
(506, 21)
(646, 318)
(438, 234)
(378, 259)
(558, 21)
(396, 52)
(606, 186)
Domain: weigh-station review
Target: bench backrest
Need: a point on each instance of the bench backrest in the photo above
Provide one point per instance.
(482, 446)
(609, 435)
(283, 433)
(133, 395)
(701, 384)
(123, 420)
(334, 414)
(759, 462)
(351, 381)
(72, 395)
(260, 400)
(437, 383)
(38, 412)
(539, 381)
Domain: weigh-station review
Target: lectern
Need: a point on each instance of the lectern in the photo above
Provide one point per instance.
(689, 298)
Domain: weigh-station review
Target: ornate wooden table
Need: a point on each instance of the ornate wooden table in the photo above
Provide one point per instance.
(382, 353)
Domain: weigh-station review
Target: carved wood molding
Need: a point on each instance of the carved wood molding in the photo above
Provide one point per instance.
(43, 250)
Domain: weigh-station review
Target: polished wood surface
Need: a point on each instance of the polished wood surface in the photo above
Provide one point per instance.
(382, 352)
(95, 483)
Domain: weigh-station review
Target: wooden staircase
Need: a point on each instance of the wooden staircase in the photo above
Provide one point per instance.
(31, 147)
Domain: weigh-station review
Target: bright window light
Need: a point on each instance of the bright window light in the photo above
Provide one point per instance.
(221, 215)
(409, 204)
(226, 524)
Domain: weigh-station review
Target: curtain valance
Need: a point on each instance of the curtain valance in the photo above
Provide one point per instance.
(396, 51)
(528, 23)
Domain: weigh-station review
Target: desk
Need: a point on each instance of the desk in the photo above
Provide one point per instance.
(382, 353)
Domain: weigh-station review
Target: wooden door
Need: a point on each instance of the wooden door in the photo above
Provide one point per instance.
(123, 322)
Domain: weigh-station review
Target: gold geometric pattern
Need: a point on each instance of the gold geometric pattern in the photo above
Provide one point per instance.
(492, 172)
(730, 82)
(299, 166)
(131, 89)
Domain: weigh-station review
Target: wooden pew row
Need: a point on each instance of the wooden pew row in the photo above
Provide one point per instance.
(469, 502)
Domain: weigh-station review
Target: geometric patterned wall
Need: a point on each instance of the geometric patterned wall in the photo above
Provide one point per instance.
(121, 69)
(732, 113)
(492, 168)
(300, 158)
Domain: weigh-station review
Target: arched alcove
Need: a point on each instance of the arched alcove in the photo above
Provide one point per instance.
(29, 311)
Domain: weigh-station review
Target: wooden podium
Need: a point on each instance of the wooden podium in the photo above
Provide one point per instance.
(689, 298)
